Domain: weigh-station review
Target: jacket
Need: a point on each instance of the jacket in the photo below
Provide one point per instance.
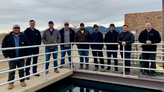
(82, 37)
(96, 37)
(128, 37)
(33, 36)
(51, 39)
(72, 35)
(153, 36)
(8, 41)
(111, 38)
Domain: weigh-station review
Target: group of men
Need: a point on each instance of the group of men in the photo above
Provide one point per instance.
(32, 36)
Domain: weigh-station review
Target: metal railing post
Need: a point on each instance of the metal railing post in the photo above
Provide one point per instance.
(123, 60)
(44, 60)
(71, 58)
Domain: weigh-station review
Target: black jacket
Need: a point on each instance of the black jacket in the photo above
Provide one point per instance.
(153, 36)
(72, 35)
(8, 41)
(111, 38)
(34, 37)
(127, 37)
(96, 37)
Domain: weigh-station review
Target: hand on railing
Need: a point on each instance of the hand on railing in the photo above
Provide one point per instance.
(8, 58)
(148, 42)
(123, 43)
(25, 59)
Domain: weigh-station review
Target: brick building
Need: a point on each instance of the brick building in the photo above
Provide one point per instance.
(136, 21)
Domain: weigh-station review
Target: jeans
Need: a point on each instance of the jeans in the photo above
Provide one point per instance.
(100, 54)
(127, 62)
(149, 56)
(83, 53)
(12, 65)
(54, 57)
(115, 60)
(64, 52)
(28, 62)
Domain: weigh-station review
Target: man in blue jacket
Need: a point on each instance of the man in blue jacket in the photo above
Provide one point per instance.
(15, 39)
(67, 35)
(111, 37)
(34, 38)
(97, 36)
(149, 36)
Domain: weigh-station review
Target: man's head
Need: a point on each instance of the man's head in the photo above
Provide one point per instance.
(82, 26)
(32, 23)
(95, 27)
(16, 29)
(125, 28)
(66, 25)
(148, 26)
(50, 24)
(111, 27)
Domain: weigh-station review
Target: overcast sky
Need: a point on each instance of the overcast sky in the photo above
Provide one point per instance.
(101, 12)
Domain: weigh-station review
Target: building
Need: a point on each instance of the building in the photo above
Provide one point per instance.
(136, 21)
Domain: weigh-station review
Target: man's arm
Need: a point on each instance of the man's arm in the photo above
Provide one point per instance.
(4, 45)
(141, 38)
(39, 39)
(59, 37)
(119, 38)
(44, 38)
(157, 39)
(131, 39)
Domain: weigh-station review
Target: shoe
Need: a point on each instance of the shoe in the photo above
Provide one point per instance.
(81, 67)
(37, 75)
(27, 78)
(87, 67)
(95, 69)
(56, 71)
(108, 69)
(144, 74)
(47, 72)
(153, 75)
(102, 70)
(127, 73)
(10, 86)
(23, 84)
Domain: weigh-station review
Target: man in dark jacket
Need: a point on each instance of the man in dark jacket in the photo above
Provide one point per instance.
(67, 35)
(149, 36)
(83, 35)
(15, 39)
(111, 37)
(34, 38)
(97, 37)
(126, 38)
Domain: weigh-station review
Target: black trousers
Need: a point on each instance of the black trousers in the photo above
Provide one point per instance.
(99, 54)
(12, 65)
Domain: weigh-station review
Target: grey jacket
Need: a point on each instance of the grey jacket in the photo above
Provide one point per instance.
(48, 39)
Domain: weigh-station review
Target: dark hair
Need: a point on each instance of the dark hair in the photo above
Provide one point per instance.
(125, 25)
(32, 21)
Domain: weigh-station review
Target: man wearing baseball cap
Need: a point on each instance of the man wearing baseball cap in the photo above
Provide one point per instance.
(51, 36)
(83, 35)
(15, 39)
(111, 37)
(97, 37)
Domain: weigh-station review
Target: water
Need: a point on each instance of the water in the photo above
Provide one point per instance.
(78, 85)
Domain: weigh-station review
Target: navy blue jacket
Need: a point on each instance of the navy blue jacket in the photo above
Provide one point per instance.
(96, 37)
(111, 38)
(72, 35)
(33, 36)
(153, 36)
(8, 41)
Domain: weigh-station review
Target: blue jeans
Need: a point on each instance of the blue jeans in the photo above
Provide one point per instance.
(149, 56)
(54, 57)
(127, 62)
(115, 60)
(64, 52)
(83, 53)
(28, 62)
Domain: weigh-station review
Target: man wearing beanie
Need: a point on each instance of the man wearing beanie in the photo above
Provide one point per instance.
(111, 37)
(97, 37)
(83, 35)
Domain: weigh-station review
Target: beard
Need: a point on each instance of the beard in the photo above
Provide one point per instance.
(81, 28)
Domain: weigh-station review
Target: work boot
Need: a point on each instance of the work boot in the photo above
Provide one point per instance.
(102, 70)
(87, 67)
(127, 73)
(23, 84)
(56, 71)
(81, 67)
(10, 86)
(37, 75)
(47, 72)
(95, 69)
